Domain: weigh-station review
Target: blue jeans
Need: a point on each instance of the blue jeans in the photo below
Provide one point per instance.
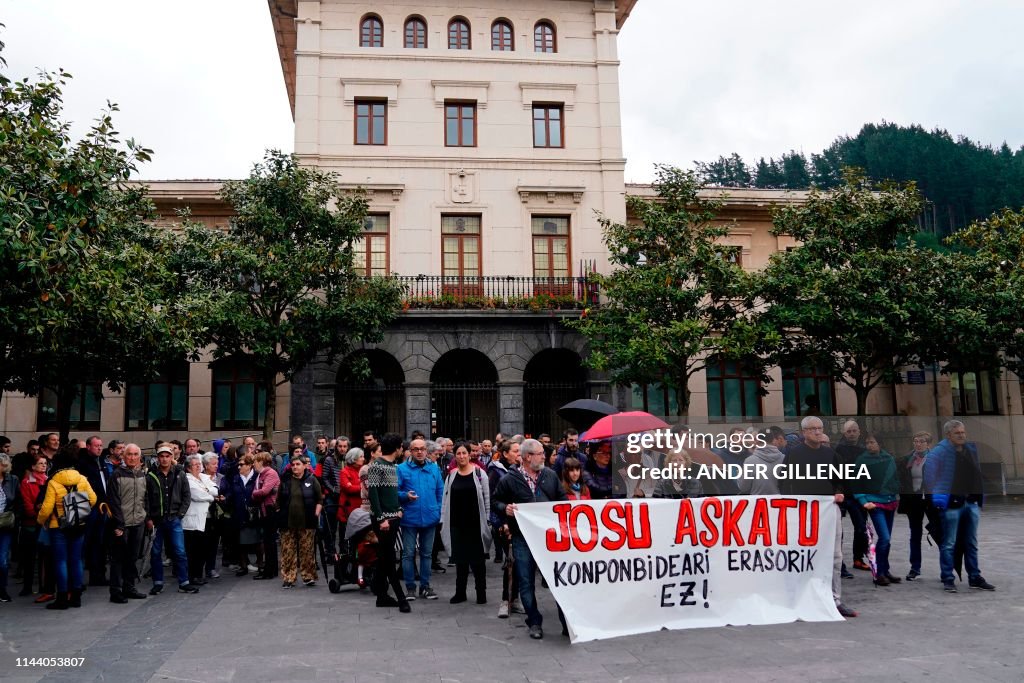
(522, 562)
(169, 528)
(5, 555)
(962, 520)
(67, 555)
(882, 519)
(426, 538)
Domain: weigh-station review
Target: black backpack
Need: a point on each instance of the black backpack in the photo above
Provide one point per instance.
(76, 509)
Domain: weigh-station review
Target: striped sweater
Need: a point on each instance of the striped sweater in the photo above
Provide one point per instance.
(382, 486)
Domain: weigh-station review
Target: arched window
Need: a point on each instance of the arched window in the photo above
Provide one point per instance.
(458, 34)
(415, 32)
(371, 31)
(544, 37)
(502, 37)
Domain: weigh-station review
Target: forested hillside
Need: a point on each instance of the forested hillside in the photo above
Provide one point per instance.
(962, 180)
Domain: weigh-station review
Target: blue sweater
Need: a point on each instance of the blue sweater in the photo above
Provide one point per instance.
(426, 481)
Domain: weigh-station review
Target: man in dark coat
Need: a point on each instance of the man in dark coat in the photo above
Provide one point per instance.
(532, 482)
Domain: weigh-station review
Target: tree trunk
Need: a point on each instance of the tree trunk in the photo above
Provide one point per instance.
(65, 397)
(270, 386)
(862, 400)
(682, 391)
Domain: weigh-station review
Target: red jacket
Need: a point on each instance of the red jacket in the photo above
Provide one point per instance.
(350, 498)
(584, 494)
(265, 493)
(30, 487)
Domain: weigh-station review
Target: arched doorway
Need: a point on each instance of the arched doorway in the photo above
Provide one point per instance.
(553, 378)
(464, 396)
(376, 401)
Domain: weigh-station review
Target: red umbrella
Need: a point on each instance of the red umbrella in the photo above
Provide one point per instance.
(621, 424)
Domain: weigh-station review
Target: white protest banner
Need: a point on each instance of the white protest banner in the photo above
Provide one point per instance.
(620, 567)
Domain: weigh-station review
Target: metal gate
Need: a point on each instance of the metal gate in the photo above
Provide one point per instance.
(362, 407)
(541, 402)
(464, 411)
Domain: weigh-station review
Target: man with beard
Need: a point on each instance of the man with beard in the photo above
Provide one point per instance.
(812, 452)
(533, 482)
(571, 449)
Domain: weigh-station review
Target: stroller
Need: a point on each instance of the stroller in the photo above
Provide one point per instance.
(355, 566)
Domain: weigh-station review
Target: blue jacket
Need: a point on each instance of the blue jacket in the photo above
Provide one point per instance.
(426, 481)
(940, 468)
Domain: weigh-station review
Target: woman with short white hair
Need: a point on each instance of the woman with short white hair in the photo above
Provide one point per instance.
(203, 492)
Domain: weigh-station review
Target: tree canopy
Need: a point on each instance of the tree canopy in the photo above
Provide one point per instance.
(284, 291)
(676, 301)
(84, 288)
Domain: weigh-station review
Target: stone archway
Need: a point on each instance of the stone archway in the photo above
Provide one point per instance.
(374, 402)
(464, 395)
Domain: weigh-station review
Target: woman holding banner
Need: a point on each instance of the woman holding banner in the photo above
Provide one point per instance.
(879, 496)
(464, 528)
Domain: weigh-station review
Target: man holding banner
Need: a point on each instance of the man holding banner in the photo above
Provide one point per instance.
(531, 482)
(811, 453)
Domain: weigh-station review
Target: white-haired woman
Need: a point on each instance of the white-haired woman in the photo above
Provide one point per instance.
(203, 492)
(350, 489)
(215, 516)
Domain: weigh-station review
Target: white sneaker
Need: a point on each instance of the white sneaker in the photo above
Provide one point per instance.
(515, 607)
(253, 568)
(503, 610)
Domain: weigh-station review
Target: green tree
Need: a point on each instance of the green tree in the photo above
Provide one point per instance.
(675, 299)
(285, 291)
(85, 292)
(994, 290)
(852, 296)
(730, 171)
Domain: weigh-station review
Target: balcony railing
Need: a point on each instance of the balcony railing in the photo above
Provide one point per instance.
(498, 292)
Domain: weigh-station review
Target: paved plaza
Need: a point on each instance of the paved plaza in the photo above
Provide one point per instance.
(243, 630)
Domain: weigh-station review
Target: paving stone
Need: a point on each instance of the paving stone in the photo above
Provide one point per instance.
(241, 630)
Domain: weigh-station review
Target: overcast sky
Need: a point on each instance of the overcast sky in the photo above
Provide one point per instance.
(200, 83)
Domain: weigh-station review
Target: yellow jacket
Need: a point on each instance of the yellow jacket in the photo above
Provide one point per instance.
(56, 489)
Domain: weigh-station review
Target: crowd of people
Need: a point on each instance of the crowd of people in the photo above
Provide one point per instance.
(381, 512)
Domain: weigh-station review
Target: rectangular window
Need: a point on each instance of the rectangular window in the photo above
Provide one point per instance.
(806, 391)
(551, 255)
(160, 404)
(548, 125)
(371, 122)
(974, 393)
(732, 254)
(733, 393)
(238, 402)
(460, 255)
(460, 124)
(85, 407)
(371, 255)
(656, 399)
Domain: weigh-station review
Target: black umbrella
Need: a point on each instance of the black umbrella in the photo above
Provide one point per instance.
(583, 413)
